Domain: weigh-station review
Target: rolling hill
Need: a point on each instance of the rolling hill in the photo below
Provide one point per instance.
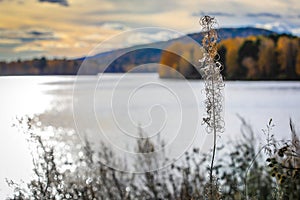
(128, 58)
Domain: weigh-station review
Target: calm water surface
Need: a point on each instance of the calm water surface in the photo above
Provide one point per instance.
(116, 105)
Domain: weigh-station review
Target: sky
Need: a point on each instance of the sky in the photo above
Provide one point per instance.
(72, 28)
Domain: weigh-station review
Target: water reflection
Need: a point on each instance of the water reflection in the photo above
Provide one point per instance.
(20, 96)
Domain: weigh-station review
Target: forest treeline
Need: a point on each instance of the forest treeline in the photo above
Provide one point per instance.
(269, 57)
(40, 66)
(273, 57)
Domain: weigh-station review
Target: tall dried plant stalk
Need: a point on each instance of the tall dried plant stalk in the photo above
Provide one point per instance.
(210, 70)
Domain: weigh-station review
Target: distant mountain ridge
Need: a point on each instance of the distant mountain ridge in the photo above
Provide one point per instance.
(225, 33)
(151, 53)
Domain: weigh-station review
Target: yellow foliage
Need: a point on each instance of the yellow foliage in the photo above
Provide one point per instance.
(266, 57)
(232, 47)
(179, 57)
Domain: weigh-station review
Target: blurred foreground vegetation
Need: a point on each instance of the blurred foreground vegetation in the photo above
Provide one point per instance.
(246, 170)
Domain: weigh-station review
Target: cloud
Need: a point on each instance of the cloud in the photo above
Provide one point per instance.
(213, 14)
(295, 31)
(278, 27)
(41, 46)
(138, 37)
(95, 37)
(9, 43)
(29, 48)
(27, 35)
(28, 41)
(114, 26)
(144, 38)
(135, 37)
(4, 42)
(81, 45)
(139, 7)
(55, 45)
(264, 14)
(61, 2)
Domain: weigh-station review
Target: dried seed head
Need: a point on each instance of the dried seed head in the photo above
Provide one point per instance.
(210, 69)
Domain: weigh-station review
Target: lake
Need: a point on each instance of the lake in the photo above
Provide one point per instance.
(114, 108)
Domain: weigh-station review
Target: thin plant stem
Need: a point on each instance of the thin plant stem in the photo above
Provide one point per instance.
(214, 138)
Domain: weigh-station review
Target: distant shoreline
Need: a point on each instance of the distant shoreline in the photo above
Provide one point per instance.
(144, 73)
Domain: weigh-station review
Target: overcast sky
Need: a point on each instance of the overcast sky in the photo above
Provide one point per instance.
(71, 28)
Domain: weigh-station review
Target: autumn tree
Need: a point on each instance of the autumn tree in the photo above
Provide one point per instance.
(247, 59)
(287, 53)
(267, 64)
(232, 46)
(180, 58)
(298, 61)
(170, 61)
